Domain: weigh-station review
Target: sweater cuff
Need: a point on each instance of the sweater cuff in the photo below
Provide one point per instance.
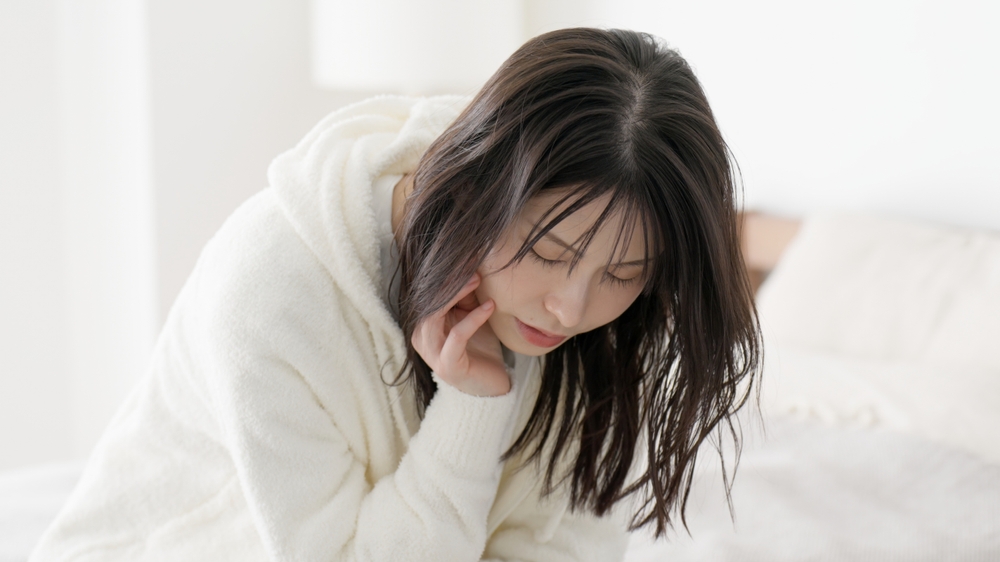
(468, 432)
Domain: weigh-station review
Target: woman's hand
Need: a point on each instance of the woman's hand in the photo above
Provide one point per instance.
(458, 345)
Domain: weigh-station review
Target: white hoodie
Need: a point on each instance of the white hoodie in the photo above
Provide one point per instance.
(264, 430)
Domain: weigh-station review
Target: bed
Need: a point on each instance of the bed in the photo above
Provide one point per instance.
(878, 432)
(880, 400)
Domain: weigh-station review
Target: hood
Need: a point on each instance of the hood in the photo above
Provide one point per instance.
(324, 185)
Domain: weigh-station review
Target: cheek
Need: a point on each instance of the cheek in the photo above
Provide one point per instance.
(607, 303)
(506, 287)
(495, 284)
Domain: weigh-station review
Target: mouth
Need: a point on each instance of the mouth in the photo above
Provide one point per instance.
(537, 337)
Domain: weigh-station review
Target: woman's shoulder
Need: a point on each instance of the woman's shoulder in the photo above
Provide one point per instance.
(256, 269)
(257, 243)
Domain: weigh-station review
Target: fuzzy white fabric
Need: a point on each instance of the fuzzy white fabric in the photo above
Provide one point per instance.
(264, 431)
(887, 323)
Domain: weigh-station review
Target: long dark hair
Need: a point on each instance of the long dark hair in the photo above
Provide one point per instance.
(595, 112)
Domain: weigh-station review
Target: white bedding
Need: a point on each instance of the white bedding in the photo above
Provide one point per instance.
(29, 499)
(808, 492)
(812, 492)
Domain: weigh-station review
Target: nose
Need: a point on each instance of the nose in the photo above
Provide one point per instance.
(568, 302)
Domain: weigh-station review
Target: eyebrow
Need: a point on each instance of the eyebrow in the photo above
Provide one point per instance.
(559, 241)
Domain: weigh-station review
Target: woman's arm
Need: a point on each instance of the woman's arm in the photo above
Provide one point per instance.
(528, 535)
(273, 328)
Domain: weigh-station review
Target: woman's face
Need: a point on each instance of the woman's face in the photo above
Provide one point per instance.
(539, 305)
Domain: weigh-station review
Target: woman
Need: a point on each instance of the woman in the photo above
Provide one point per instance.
(447, 331)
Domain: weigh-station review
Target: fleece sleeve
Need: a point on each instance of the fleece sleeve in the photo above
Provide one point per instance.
(265, 326)
(529, 535)
(309, 495)
(575, 539)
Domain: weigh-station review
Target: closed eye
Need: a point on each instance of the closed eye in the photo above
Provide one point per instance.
(607, 277)
(545, 262)
(619, 281)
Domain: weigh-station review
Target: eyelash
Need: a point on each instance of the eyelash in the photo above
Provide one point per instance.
(608, 277)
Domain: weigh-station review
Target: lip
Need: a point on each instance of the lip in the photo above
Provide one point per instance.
(538, 337)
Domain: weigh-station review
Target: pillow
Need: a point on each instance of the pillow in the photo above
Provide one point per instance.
(882, 322)
(888, 289)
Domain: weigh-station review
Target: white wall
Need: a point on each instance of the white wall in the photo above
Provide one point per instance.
(107, 205)
(129, 131)
(383, 45)
(231, 90)
(875, 105)
(34, 401)
(77, 291)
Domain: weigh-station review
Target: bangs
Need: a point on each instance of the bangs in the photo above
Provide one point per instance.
(631, 205)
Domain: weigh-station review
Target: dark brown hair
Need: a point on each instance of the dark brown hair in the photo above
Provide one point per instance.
(594, 112)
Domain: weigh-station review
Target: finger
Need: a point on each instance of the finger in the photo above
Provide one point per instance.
(458, 338)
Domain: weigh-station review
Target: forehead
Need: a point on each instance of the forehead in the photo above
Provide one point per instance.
(617, 227)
